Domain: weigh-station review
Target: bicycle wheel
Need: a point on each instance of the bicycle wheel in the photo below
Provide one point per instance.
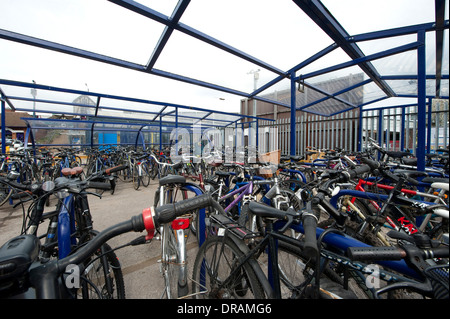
(297, 277)
(173, 263)
(217, 274)
(5, 193)
(136, 177)
(102, 277)
(145, 178)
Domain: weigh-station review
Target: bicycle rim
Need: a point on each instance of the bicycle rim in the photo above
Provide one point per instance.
(216, 260)
(102, 277)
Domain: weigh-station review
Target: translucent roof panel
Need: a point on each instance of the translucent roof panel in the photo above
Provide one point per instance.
(276, 32)
(206, 63)
(211, 54)
(380, 15)
(55, 21)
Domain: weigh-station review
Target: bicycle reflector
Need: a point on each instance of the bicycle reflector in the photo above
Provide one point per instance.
(180, 223)
(147, 215)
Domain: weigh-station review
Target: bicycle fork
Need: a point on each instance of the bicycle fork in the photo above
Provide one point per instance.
(173, 248)
(175, 256)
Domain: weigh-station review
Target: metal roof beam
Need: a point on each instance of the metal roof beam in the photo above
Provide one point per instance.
(325, 20)
(440, 15)
(394, 32)
(295, 68)
(364, 59)
(165, 36)
(44, 44)
(154, 15)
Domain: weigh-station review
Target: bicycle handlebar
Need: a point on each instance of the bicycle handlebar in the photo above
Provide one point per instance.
(309, 225)
(308, 218)
(45, 278)
(394, 253)
(169, 212)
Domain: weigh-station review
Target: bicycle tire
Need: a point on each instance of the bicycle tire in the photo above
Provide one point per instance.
(215, 260)
(135, 176)
(103, 264)
(171, 266)
(145, 178)
(5, 193)
(296, 276)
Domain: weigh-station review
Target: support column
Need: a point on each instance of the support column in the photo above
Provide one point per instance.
(3, 124)
(293, 113)
(421, 102)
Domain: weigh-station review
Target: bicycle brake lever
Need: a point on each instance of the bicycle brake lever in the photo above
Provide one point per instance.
(91, 193)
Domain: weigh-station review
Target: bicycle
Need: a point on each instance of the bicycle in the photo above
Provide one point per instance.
(175, 189)
(24, 276)
(70, 227)
(238, 274)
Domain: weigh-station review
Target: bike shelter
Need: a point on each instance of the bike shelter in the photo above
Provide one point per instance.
(335, 58)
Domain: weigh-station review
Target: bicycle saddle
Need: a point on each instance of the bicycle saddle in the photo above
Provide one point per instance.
(172, 179)
(397, 154)
(222, 174)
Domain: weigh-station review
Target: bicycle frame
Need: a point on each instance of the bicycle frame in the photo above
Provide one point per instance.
(246, 189)
(66, 226)
(407, 225)
(176, 229)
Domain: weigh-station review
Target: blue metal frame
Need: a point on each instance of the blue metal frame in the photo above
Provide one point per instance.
(318, 13)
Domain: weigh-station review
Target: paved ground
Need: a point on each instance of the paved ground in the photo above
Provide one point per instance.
(139, 264)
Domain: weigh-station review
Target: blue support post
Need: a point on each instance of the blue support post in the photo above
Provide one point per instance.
(293, 113)
(421, 102)
(402, 136)
(160, 133)
(3, 126)
(429, 126)
(380, 130)
(360, 130)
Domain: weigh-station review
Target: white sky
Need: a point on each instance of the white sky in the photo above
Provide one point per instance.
(274, 31)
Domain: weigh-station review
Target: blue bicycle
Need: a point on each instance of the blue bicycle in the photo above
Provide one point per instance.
(70, 227)
(312, 265)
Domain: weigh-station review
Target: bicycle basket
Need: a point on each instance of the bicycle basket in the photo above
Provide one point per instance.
(438, 276)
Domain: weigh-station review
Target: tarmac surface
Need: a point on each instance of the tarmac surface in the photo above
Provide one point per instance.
(140, 266)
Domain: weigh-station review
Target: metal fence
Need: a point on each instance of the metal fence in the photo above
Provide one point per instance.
(398, 126)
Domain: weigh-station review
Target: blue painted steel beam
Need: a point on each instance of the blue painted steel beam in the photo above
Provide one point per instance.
(154, 15)
(3, 122)
(6, 99)
(299, 66)
(293, 113)
(395, 32)
(116, 97)
(421, 102)
(44, 44)
(168, 30)
(402, 136)
(24, 39)
(413, 77)
(360, 61)
(360, 130)
(334, 95)
(439, 17)
(193, 81)
(328, 96)
(159, 113)
(380, 129)
(429, 126)
(97, 105)
(325, 20)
